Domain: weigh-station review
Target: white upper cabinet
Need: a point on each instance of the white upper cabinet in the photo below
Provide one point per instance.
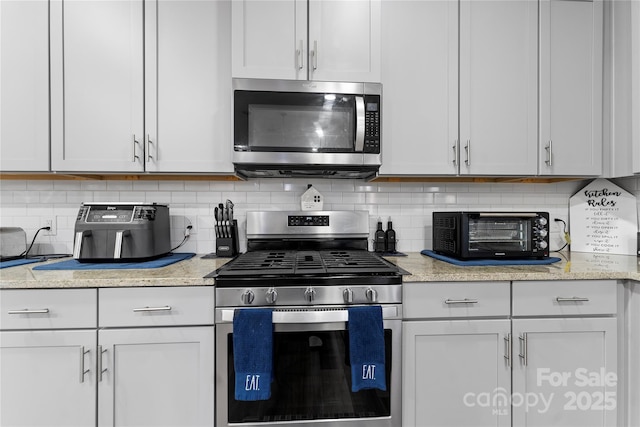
(24, 85)
(571, 34)
(498, 87)
(420, 83)
(482, 53)
(188, 86)
(97, 91)
(299, 39)
(102, 67)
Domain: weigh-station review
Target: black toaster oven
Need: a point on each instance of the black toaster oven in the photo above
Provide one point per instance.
(491, 235)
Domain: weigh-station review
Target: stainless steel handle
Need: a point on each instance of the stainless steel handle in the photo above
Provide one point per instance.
(148, 150)
(77, 244)
(523, 348)
(360, 124)
(83, 371)
(572, 299)
(455, 147)
(101, 370)
(467, 149)
(27, 311)
(461, 301)
(314, 55)
(117, 250)
(299, 57)
(508, 214)
(549, 149)
(508, 349)
(311, 316)
(135, 143)
(144, 309)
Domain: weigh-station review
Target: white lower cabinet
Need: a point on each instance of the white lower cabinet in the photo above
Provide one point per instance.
(156, 377)
(454, 369)
(566, 372)
(47, 378)
(536, 353)
(156, 362)
(48, 357)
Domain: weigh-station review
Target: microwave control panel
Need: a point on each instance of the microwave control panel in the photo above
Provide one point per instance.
(372, 124)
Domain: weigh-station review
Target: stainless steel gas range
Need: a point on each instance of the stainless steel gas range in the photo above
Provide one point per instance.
(309, 268)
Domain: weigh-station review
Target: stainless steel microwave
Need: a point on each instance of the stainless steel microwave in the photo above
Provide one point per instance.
(491, 235)
(290, 128)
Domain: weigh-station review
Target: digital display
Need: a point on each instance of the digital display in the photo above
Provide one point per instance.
(372, 106)
(110, 215)
(309, 220)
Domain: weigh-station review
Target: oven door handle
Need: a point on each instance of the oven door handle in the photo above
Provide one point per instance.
(311, 316)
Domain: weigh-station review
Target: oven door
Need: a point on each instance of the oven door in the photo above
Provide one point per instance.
(312, 377)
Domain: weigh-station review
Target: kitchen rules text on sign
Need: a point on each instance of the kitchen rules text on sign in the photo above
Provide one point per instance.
(603, 219)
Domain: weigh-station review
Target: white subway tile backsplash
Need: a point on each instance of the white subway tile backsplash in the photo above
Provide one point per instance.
(410, 205)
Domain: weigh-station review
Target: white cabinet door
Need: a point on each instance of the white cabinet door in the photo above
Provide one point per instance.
(635, 83)
(48, 378)
(498, 87)
(188, 86)
(156, 376)
(571, 34)
(454, 371)
(420, 81)
(269, 39)
(567, 372)
(97, 85)
(24, 85)
(344, 40)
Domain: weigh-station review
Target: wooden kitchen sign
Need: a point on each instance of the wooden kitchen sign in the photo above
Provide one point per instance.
(603, 218)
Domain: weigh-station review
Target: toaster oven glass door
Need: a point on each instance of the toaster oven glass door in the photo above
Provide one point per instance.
(509, 235)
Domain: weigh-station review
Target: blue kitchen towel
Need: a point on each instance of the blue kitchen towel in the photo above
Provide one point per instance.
(485, 262)
(16, 262)
(366, 348)
(253, 353)
(73, 264)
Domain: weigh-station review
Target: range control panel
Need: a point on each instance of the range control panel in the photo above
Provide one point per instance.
(308, 220)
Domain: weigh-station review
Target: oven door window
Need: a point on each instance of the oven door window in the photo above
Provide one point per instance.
(312, 381)
(294, 122)
(499, 235)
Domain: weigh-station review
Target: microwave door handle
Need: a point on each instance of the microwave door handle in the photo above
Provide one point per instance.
(360, 124)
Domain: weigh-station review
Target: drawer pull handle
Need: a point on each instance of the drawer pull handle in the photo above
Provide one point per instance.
(27, 311)
(461, 301)
(572, 299)
(143, 309)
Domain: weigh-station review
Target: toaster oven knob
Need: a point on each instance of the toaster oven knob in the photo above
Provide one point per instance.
(542, 244)
(248, 296)
(371, 294)
(542, 232)
(347, 295)
(309, 294)
(271, 296)
(542, 221)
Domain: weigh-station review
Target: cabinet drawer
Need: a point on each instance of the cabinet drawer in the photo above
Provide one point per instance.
(564, 297)
(48, 308)
(156, 306)
(455, 299)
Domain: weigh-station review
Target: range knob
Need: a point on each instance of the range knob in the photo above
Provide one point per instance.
(271, 296)
(310, 294)
(542, 244)
(248, 296)
(347, 295)
(371, 294)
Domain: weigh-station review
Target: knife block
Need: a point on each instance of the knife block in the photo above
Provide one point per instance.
(228, 246)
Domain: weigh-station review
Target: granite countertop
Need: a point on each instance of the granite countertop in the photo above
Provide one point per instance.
(422, 268)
